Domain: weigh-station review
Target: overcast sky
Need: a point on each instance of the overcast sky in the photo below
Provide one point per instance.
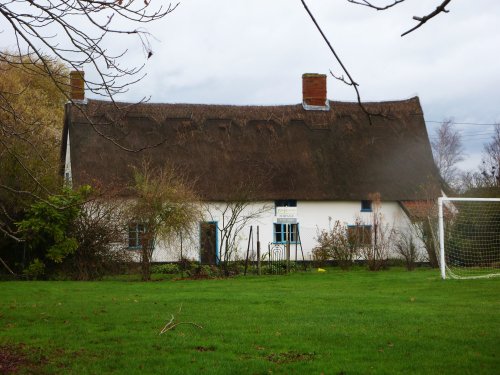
(254, 52)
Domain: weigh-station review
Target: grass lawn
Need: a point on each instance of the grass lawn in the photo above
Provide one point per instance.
(357, 322)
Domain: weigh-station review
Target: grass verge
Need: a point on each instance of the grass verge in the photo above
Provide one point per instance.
(356, 322)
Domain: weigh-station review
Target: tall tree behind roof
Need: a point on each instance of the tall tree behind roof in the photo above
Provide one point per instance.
(448, 151)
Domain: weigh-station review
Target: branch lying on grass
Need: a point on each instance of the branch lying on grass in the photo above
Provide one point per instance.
(165, 329)
(172, 324)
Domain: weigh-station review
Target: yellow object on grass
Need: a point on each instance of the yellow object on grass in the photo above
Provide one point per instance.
(321, 270)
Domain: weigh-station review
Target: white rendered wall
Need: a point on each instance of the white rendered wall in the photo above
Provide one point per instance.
(67, 165)
(312, 218)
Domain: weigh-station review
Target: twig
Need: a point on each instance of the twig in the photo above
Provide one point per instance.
(164, 329)
(421, 20)
(367, 3)
(171, 324)
(178, 323)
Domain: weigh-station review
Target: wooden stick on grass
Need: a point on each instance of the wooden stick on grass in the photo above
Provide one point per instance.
(171, 325)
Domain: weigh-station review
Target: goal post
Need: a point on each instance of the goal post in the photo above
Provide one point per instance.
(469, 237)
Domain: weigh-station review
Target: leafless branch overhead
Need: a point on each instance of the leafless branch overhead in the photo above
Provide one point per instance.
(376, 7)
(421, 20)
(350, 81)
(424, 19)
(73, 31)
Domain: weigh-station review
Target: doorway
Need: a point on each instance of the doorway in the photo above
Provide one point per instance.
(208, 242)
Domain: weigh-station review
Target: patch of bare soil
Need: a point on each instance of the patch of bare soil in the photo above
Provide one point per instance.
(205, 348)
(288, 357)
(13, 359)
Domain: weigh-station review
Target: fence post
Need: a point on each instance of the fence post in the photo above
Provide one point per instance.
(250, 238)
(287, 256)
(258, 251)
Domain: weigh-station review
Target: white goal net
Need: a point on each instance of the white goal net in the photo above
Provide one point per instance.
(469, 236)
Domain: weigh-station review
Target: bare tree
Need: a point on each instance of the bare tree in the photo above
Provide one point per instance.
(100, 230)
(406, 247)
(39, 64)
(338, 244)
(50, 38)
(472, 179)
(487, 176)
(233, 216)
(490, 168)
(82, 28)
(448, 151)
(163, 206)
(377, 253)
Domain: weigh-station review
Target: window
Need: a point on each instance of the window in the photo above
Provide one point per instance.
(281, 231)
(360, 234)
(135, 232)
(284, 203)
(366, 206)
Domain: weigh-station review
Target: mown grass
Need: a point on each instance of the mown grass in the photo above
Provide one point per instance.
(356, 322)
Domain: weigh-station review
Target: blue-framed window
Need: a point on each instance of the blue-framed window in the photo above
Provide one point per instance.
(284, 203)
(360, 235)
(366, 206)
(282, 230)
(135, 233)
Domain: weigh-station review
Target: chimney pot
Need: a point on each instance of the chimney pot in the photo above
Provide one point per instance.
(314, 92)
(77, 82)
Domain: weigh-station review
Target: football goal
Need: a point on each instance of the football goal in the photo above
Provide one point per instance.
(469, 236)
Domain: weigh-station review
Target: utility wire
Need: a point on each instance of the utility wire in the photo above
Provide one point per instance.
(464, 123)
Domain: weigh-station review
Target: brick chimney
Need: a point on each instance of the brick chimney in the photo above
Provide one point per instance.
(77, 82)
(314, 92)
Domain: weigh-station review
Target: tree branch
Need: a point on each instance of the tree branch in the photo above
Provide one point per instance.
(370, 5)
(439, 9)
(424, 19)
(350, 81)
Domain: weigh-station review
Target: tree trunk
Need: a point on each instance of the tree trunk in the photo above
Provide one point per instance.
(146, 257)
(430, 245)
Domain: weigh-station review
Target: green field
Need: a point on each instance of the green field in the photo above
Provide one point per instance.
(357, 322)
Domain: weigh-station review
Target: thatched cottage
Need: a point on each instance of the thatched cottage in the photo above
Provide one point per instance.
(326, 158)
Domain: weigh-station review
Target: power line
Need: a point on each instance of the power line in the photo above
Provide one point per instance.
(464, 123)
(469, 135)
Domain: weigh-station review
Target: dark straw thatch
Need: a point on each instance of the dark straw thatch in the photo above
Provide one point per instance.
(285, 152)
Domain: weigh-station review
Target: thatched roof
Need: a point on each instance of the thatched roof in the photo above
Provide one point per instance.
(286, 152)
